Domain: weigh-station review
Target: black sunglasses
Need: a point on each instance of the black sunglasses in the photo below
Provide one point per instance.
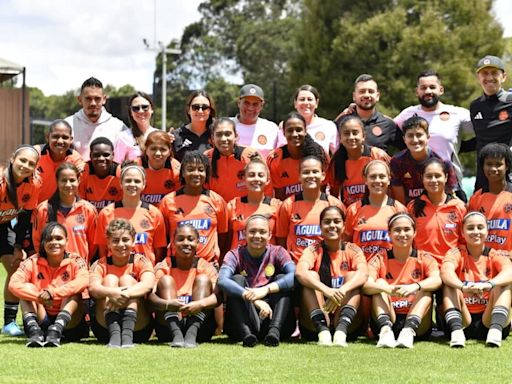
(197, 107)
(137, 108)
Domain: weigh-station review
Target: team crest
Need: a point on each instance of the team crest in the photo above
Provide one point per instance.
(169, 184)
(65, 276)
(416, 273)
(88, 190)
(112, 191)
(262, 139)
(209, 211)
(80, 219)
(25, 198)
(507, 208)
(377, 131)
(145, 224)
(240, 174)
(344, 266)
(270, 270)
(320, 136)
(503, 115)
(444, 116)
(452, 216)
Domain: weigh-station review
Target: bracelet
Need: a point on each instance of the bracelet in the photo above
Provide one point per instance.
(493, 284)
(419, 286)
(269, 291)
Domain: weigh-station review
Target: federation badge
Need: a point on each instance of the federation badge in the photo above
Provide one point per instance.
(262, 139)
(503, 115)
(112, 191)
(416, 274)
(507, 208)
(80, 219)
(209, 211)
(169, 184)
(25, 198)
(377, 131)
(270, 270)
(320, 136)
(444, 116)
(145, 224)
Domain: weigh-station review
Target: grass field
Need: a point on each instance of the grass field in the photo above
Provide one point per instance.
(221, 362)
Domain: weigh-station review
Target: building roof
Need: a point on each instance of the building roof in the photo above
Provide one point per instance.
(8, 69)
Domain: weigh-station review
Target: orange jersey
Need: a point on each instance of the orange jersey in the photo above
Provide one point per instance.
(416, 268)
(367, 226)
(298, 221)
(498, 210)
(160, 183)
(147, 221)
(27, 193)
(100, 192)
(438, 228)
(35, 274)
(46, 168)
(343, 261)
(239, 210)
(137, 265)
(353, 187)
(284, 171)
(488, 265)
(185, 278)
(80, 224)
(207, 212)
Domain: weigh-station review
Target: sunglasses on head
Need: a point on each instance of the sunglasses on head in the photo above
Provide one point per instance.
(137, 108)
(197, 107)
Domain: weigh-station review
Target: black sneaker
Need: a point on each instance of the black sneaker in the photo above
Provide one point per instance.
(52, 337)
(36, 341)
(272, 339)
(249, 341)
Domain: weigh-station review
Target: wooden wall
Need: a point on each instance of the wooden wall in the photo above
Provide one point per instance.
(11, 121)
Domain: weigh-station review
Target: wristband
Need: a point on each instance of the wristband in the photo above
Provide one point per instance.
(419, 286)
(493, 284)
(462, 287)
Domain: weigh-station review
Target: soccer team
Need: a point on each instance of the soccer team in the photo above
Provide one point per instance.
(263, 232)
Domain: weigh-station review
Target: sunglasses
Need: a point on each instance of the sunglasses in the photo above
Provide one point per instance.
(138, 108)
(197, 107)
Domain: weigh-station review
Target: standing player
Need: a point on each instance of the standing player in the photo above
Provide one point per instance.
(331, 274)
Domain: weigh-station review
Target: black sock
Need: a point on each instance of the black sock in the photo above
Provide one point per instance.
(347, 315)
(63, 318)
(453, 319)
(128, 325)
(413, 322)
(195, 321)
(113, 320)
(499, 317)
(383, 320)
(10, 312)
(318, 318)
(31, 324)
(172, 320)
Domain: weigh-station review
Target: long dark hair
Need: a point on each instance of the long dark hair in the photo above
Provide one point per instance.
(136, 132)
(237, 150)
(419, 204)
(192, 96)
(54, 201)
(46, 236)
(341, 156)
(325, 265)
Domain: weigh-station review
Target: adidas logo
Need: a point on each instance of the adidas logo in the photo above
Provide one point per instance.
(40, 276)
(407, 176)
(284, 174)
(478, 116)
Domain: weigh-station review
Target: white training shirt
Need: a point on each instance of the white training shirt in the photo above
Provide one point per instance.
(263, 135)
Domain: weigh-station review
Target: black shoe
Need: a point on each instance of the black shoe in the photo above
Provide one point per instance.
(36, 341)
(271, 340)
(249, 341)
(52, 338)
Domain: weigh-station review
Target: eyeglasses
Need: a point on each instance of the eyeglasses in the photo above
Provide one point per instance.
(138, 108)
(197, 107)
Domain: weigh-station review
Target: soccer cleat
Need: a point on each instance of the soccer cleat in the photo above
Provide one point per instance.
(36, 341)
(340, 339)
(249, 341)
(406, 338)
(324, 338)
(494, 338)
(386, 338)
(12, 329)
(457, 339)
(53, 337)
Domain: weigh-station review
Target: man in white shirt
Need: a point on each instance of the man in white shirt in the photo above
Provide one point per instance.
(93, 120)
(254, 131)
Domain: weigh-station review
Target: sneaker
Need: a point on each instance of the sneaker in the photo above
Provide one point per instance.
(12, 329)
(177, 344)
(128, 346)
(406, 338)
(249, 341)
(386, 338)
(324, 338)
(458, 339)
(190, 344)
(340, 339)
(36, 341)
(494, 338)
(52, 337)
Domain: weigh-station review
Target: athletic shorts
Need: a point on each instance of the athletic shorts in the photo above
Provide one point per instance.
(7, 239)
(477, 330)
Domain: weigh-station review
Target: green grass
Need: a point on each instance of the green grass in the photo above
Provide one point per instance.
(220, 362)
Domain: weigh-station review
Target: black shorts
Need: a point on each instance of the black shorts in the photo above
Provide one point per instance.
(477, 330)
(205, 333)
(7, 239)
(101, 333)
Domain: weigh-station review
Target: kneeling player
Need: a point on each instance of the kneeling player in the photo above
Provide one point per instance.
(49, 285)
(118, 284)
(477, 287)
(331, 274)
(401, 282)
(185, 283)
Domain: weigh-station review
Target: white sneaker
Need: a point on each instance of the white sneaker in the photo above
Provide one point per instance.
(340, 339)
(406, 338)
(324, 338)
(457, 339)
(386, 338)
(494, 338)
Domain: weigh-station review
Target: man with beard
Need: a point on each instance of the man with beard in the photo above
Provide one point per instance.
(380, 131)
(446, 122)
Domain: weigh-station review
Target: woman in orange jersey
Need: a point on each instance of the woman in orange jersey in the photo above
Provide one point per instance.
(284, 161)
(194, 204)
(494, 200)
(150, 238)
(367, 219)
(477, 287)
(345, 172)
(100, 182)
(183, 292)
(257, 178)
(228, 160)
(56, 151)
(401, 283)
(298, 222)
(49, 284)
(19, 192)
(76, 215)
(331, 274)
(119, 283)
(438, 215)
(162, 170)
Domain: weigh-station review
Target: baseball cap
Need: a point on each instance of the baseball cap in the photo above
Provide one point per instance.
(251, 90)
(490, 61)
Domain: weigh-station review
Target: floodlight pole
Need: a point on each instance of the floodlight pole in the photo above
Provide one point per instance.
(164, 51)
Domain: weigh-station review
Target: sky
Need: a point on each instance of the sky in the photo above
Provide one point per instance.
(63, 42)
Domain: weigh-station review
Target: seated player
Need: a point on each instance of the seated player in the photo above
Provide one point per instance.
(257, 280)
(331, 273)
(119, 283)
(401, 284)
(183, 292)
(49, 285)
